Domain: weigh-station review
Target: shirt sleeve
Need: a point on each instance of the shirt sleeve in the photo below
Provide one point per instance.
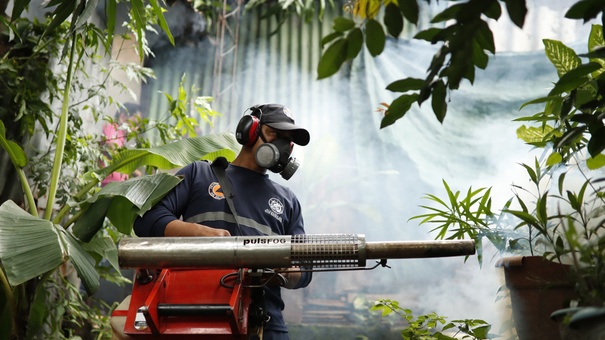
(153, 222)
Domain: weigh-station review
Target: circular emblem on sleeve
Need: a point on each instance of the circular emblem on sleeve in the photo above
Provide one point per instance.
(276, 205)
(215, 191)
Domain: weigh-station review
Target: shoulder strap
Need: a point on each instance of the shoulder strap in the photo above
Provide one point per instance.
(218, 166)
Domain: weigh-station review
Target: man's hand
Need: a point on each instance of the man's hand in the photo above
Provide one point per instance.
(182, 228)
(292, 276)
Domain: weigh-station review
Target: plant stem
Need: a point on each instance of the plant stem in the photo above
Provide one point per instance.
(22, 178)
(61, 135)
(8, 292)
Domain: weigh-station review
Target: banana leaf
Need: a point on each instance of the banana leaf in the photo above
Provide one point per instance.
(122, 202)
(173, 155)
(31, 246)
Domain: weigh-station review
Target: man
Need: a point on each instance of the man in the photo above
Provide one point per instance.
(197, 205)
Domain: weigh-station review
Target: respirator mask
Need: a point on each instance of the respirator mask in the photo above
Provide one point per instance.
(275, 156)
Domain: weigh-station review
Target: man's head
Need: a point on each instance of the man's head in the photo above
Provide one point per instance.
(268, 134)
(275, 116)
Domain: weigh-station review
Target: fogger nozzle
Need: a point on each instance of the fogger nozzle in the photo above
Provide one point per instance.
(310, 250)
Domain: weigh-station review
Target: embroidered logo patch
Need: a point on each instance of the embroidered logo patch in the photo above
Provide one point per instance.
(214, 190)
(276, 205)
(277, 208)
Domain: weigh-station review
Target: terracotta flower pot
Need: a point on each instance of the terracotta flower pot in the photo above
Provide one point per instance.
(537, 288)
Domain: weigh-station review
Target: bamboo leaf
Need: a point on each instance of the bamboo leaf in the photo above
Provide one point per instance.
(60, 14)
(89, 8)
(19, 7)
(111, 10)
(159, 13)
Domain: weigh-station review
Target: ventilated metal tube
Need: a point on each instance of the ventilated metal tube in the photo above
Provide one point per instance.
(317, 250)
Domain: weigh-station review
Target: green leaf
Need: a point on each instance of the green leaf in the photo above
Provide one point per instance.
(407, 84)
(596, 144)
(60, 14)
(330, 37)
(111, 10)
(89, 9)
(354, 43)
(533, 134)
(29, 246)
(410, 10)
(574, 78)
(585, 9)
(449, 13)
(562, 57)
(159, 13)
(517, 10)
(393, 20)
(485, 38)
(480, 58)
(398, 108)
(375, 37)
(83, 262)
(438, 101)
(494, 11)
(139, 20)
(332, 59)
(596, 44)
(570, 136)
(596, 162)
(554, 158)
(126, 201)
(19, 7)
(428, 34)
(342, 24)
(38, 312)
(173, 155)
(92, 219)
(105, 248)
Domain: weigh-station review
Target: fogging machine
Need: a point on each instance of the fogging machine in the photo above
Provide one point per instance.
(208, 287)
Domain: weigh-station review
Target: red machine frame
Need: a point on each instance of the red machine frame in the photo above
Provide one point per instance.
(189, 303)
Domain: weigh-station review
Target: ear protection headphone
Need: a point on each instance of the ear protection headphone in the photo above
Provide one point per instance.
(248, 128)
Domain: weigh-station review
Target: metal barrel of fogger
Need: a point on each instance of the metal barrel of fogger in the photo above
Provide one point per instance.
(316, 250)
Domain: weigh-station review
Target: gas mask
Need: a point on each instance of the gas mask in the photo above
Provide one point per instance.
(275, 156)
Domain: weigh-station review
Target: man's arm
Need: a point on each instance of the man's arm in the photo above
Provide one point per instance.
(182, 228)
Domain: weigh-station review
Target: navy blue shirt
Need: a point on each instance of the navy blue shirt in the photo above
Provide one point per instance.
(263, 208)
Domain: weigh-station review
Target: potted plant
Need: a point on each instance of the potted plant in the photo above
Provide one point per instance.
(559, 219)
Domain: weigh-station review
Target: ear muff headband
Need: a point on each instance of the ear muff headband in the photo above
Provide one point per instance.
(248, 128)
